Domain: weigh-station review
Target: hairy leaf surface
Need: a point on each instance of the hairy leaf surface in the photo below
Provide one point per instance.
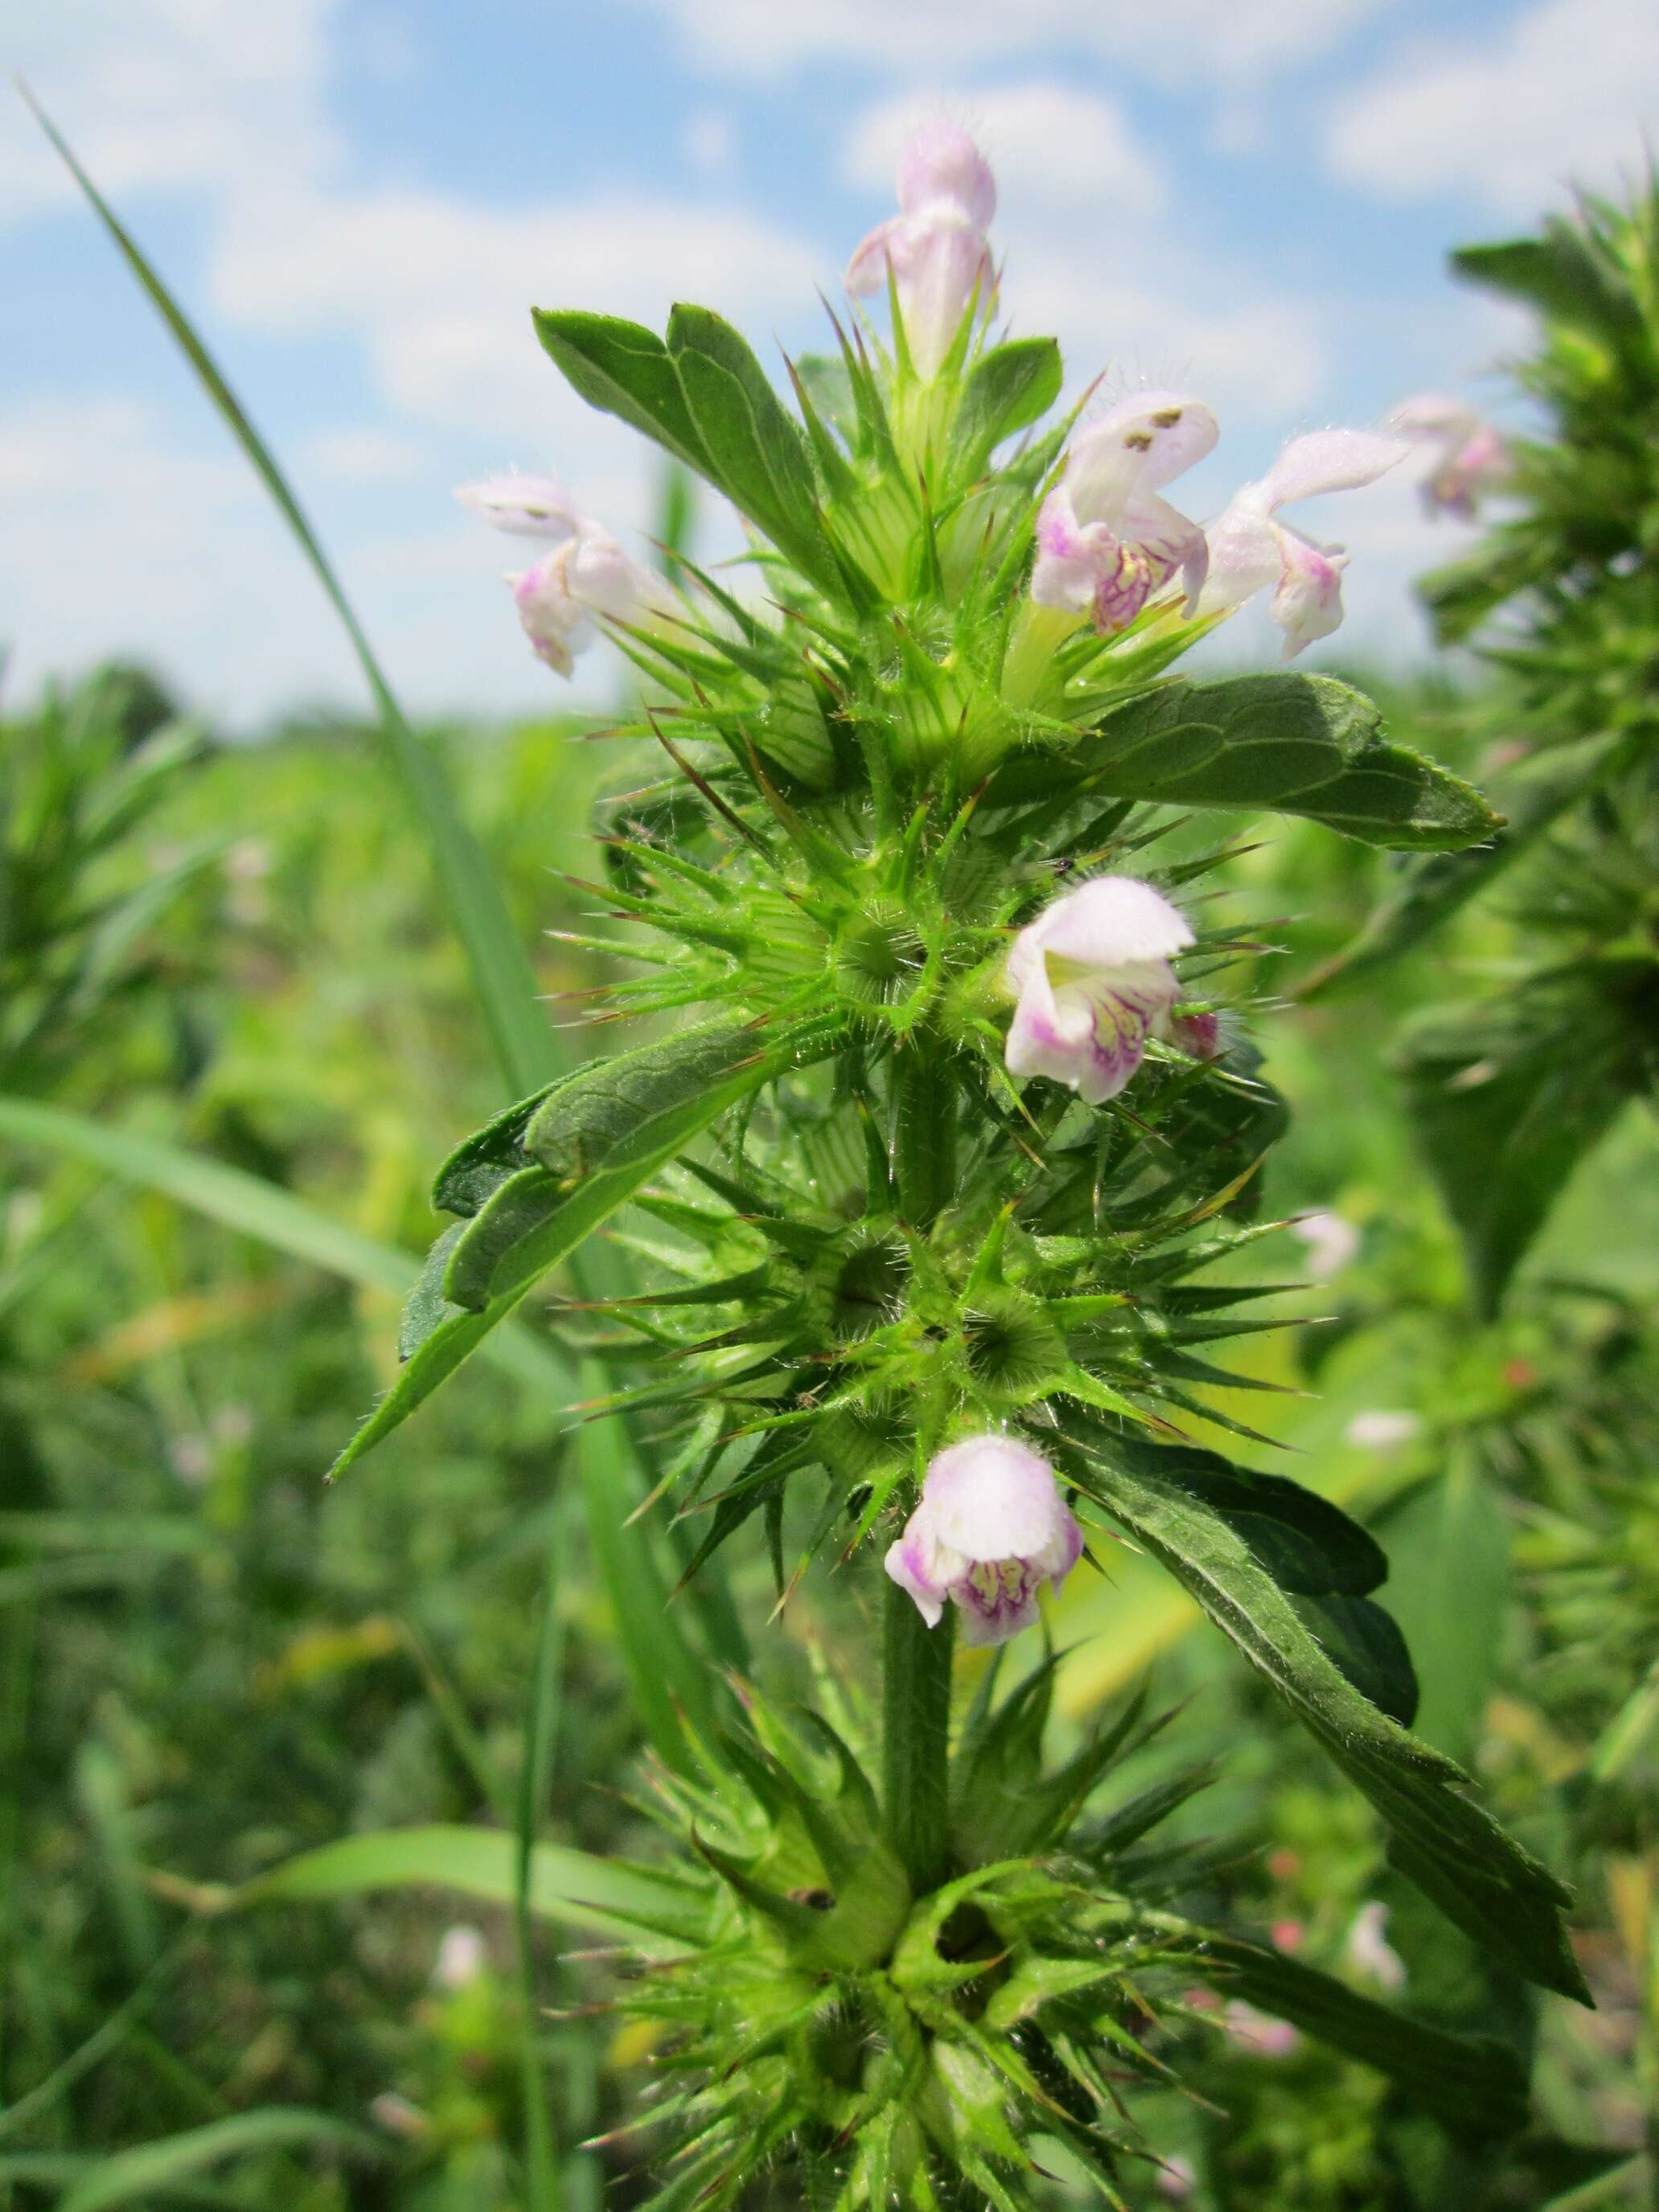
(1455, 1851)
(1298, 745)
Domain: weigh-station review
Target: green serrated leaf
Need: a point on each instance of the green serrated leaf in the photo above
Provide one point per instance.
(426, 1308)
(1307, 1544)
(605, 1133)
(624, 369)
(1455, 1851)
(1007, 387)
(480, 1163)
(524, 1202)
(1430, 890)
(759, 453)
(1295, 744)
(1366, 1643)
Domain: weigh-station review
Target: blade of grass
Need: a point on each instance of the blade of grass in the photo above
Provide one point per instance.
(104, 2039)
(152, 2167)
(525, 1044)
(540, 1733)
(451, 1708)
(272, 1217)
(669, 1682)
(599, 1896)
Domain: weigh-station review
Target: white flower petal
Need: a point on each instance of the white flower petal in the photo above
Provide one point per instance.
(523, 506)
(992, 1499)
(941, 161)
(1330, 460)
(1112, 922)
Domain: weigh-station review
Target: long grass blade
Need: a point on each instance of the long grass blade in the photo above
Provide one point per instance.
(253, 1208)
(525, 1042)
(151, 2168)
(669, 1680)
(540, 1734)
(598, 1896)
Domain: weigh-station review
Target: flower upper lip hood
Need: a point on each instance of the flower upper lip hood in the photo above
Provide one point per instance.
(1106, 538)
(1250, 549)
(1093, 981)
(990, 1528)
(935, 250)
(523, 506)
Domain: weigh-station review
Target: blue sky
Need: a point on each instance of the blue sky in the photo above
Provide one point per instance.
(358, 199)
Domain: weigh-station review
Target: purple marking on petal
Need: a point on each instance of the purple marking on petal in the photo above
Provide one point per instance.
(1198, 1034)
(1120, 595)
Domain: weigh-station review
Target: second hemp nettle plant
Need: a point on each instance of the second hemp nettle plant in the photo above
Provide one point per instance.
(929, 1161)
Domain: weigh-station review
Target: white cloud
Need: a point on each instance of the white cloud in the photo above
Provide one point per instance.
(186, 566)
(1212, 38)
(1257, 358)
(1049, 144)
(190, 569)
(367, 455)
(709, 140)
(1559, 92)
(168, 94)
(438, 289)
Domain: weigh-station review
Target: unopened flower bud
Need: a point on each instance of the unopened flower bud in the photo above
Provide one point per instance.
(935, 249)
(990, 1529)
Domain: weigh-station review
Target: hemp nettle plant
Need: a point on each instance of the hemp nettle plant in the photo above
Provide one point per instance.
(929, 1203)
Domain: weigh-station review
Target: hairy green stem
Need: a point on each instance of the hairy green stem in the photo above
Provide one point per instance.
(915, 1737)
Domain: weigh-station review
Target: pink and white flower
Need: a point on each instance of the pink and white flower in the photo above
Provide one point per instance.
(990, 1529)
(1470, 457)
(588, 575)
(1257, 2032)
(935, 249)
(1093, 981)
(463, 1955)
(1251, 551)
(1106, 539)
(1332, 1241)
(523, 506)
(1382, 1428)
(1367, 1952)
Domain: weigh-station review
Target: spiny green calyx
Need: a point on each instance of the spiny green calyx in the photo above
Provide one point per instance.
(871, 2048)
